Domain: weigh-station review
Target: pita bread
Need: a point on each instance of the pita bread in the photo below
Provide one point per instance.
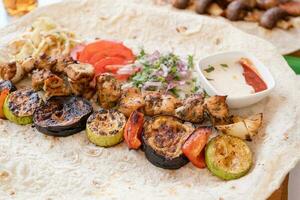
(35, 166)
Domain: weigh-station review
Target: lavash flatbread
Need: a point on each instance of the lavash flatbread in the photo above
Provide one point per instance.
(286, 41)
(35, 166)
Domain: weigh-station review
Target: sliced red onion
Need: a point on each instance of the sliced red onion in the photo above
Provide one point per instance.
(153, 57)
(165, 70)
(152, 84)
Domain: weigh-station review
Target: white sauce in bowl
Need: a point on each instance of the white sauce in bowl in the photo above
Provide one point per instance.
(227, 78)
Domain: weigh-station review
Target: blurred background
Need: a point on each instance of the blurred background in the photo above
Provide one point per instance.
(17, 8)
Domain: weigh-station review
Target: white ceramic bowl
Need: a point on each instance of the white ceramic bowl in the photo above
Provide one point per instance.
(237, 101)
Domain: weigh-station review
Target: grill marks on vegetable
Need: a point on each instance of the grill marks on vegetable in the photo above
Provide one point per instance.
(163, 138)
(23, 102)
(62, 116)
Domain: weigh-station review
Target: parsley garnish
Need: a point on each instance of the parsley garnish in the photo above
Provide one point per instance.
(224, 65)
(209, 69)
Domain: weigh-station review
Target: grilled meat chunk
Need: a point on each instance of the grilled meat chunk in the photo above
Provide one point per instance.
(108, 90)
(192, 109)
(55, 86)
(79, 77)
(12, 71)
(80, 72)
(160, 104)
(130, 101)
(217, 109)
(45, 62)
(62, 63)
(38, 78)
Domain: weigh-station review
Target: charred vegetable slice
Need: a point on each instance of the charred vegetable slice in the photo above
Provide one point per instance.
(162, 138)
(62, 116)
(228, 157)
(5, 88)
(105, 127)
(193, 147)
(20, 105)
(133, 130)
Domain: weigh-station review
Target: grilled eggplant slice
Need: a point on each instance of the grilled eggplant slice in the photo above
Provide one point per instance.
(162, 139)
(62, 116)
(105, 127)
(20, 105)
(228, 157)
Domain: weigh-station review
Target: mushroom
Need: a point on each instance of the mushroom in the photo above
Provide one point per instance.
(266, 4)
(180, 4)
(202, 5)
(236, 10)
(292, 8)
(271, 16)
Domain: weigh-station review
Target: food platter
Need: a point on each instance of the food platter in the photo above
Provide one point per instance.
(283, 37)
(73, 167)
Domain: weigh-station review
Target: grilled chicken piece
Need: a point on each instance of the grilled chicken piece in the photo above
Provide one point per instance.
(131, 100)
(27, 64)
(38, 78)
(45, 62)
(12, 71)
(108, 90)
(217, 109)
(80, 72)
(160, 104)
(79, 77)
(82, 89)
(192, 109)
(62, 63)
(55, 86)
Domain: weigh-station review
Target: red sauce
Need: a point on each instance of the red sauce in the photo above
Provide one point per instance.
(251, 77)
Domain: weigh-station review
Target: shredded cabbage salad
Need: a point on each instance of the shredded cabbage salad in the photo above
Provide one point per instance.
(165, 72)
(43, 37)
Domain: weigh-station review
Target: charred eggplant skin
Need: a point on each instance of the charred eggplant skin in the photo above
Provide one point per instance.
(7, 85)
(62, 116)
(161, 161)
(163, 136)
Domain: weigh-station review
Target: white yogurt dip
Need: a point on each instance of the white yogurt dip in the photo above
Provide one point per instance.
(227, 78)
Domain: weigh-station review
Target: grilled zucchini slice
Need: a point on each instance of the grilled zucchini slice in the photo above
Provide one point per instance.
(228, 157)
(20, 105)
(105, 127)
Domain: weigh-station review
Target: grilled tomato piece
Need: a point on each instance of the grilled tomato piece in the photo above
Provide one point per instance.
(228, 157)
(5, 88)
(20, 105)
(105, 127)
(194, 146)
(62, 116)
(133, 130)
(163, 138)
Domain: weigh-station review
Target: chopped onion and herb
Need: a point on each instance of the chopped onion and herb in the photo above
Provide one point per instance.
(165, 72)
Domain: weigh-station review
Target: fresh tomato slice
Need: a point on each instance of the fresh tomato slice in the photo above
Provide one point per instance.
(4, 93)
(100, 66)
(108, 48)
(113, 52)
(133, 130)
(193, 148)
